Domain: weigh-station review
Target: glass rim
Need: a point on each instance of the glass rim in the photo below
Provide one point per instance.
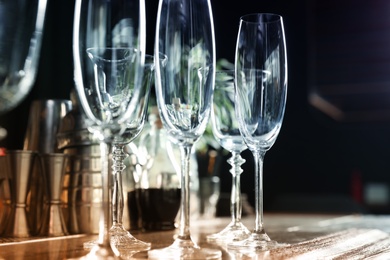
(261, 18)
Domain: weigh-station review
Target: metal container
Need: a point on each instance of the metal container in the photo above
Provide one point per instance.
(82, 181)
(53, 223)
(84, 189)
(43, 124)
(5, 192)
(20, 169)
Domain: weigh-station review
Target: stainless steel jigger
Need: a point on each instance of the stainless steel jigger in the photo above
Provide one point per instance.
(53, 165)
(5, 192)
(20, 165)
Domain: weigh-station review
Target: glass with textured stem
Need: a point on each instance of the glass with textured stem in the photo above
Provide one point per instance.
(226, 132)
(109, 54)
(261, 93)
(184, 92)
(120, 238)
(21, 31)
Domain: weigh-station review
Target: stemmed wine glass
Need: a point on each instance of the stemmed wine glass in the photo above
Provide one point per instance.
(226, 132)
(120, 238)
(184, 92)
(21, 31)
(261, 92)
(109, 54)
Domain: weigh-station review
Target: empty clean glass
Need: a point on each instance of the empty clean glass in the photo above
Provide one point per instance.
(261, 92)
(120, 238)
(109, 54)
(227, 133)
(184, 91)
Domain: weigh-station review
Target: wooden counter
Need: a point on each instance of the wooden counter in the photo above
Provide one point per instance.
(308, 236)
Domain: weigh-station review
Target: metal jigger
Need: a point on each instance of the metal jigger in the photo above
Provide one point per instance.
(5, 192)
(20, 165)
(53, 165)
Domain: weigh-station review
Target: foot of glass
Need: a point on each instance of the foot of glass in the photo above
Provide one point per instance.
(255, 242)
(125, 243)
(185, 250)
(235, 231)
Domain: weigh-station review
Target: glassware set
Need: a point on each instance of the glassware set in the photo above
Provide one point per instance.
(112, 75)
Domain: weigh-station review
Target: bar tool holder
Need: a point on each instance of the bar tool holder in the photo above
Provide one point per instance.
(20, 165)
(53, 165)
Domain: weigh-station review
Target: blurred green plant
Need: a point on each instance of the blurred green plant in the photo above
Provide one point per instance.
(207, 141)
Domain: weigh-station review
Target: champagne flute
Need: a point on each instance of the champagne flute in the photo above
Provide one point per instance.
(227, 133)
(109, 54)
(261, 92)
(21, 31)
(184, 91)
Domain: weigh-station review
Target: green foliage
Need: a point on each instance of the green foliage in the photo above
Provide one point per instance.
(207, 141)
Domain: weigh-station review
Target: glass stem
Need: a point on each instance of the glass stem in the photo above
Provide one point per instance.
(258, 159)
(105, 212)
(235, 200)
(184, 230)
(118, 157)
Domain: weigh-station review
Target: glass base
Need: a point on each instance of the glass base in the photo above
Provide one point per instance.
(122, 241)
(235, 231)
(100, 252)
(255, 242)
(90, 244)
(184, 250)
(125, 243)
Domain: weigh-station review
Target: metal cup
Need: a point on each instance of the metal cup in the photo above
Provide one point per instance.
(43, 124)
(21, 164)
(53, 223)
(5, 192)
(85, 188)
(82, 186)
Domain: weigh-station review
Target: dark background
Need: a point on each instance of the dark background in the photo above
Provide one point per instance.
(320, 162)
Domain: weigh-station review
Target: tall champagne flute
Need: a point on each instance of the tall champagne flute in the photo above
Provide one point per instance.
(184, 91)
(261, 92)
(226, 132)
(109, 53)
(21, 31)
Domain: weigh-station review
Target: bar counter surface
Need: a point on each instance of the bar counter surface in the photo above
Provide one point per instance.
(307, 236)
